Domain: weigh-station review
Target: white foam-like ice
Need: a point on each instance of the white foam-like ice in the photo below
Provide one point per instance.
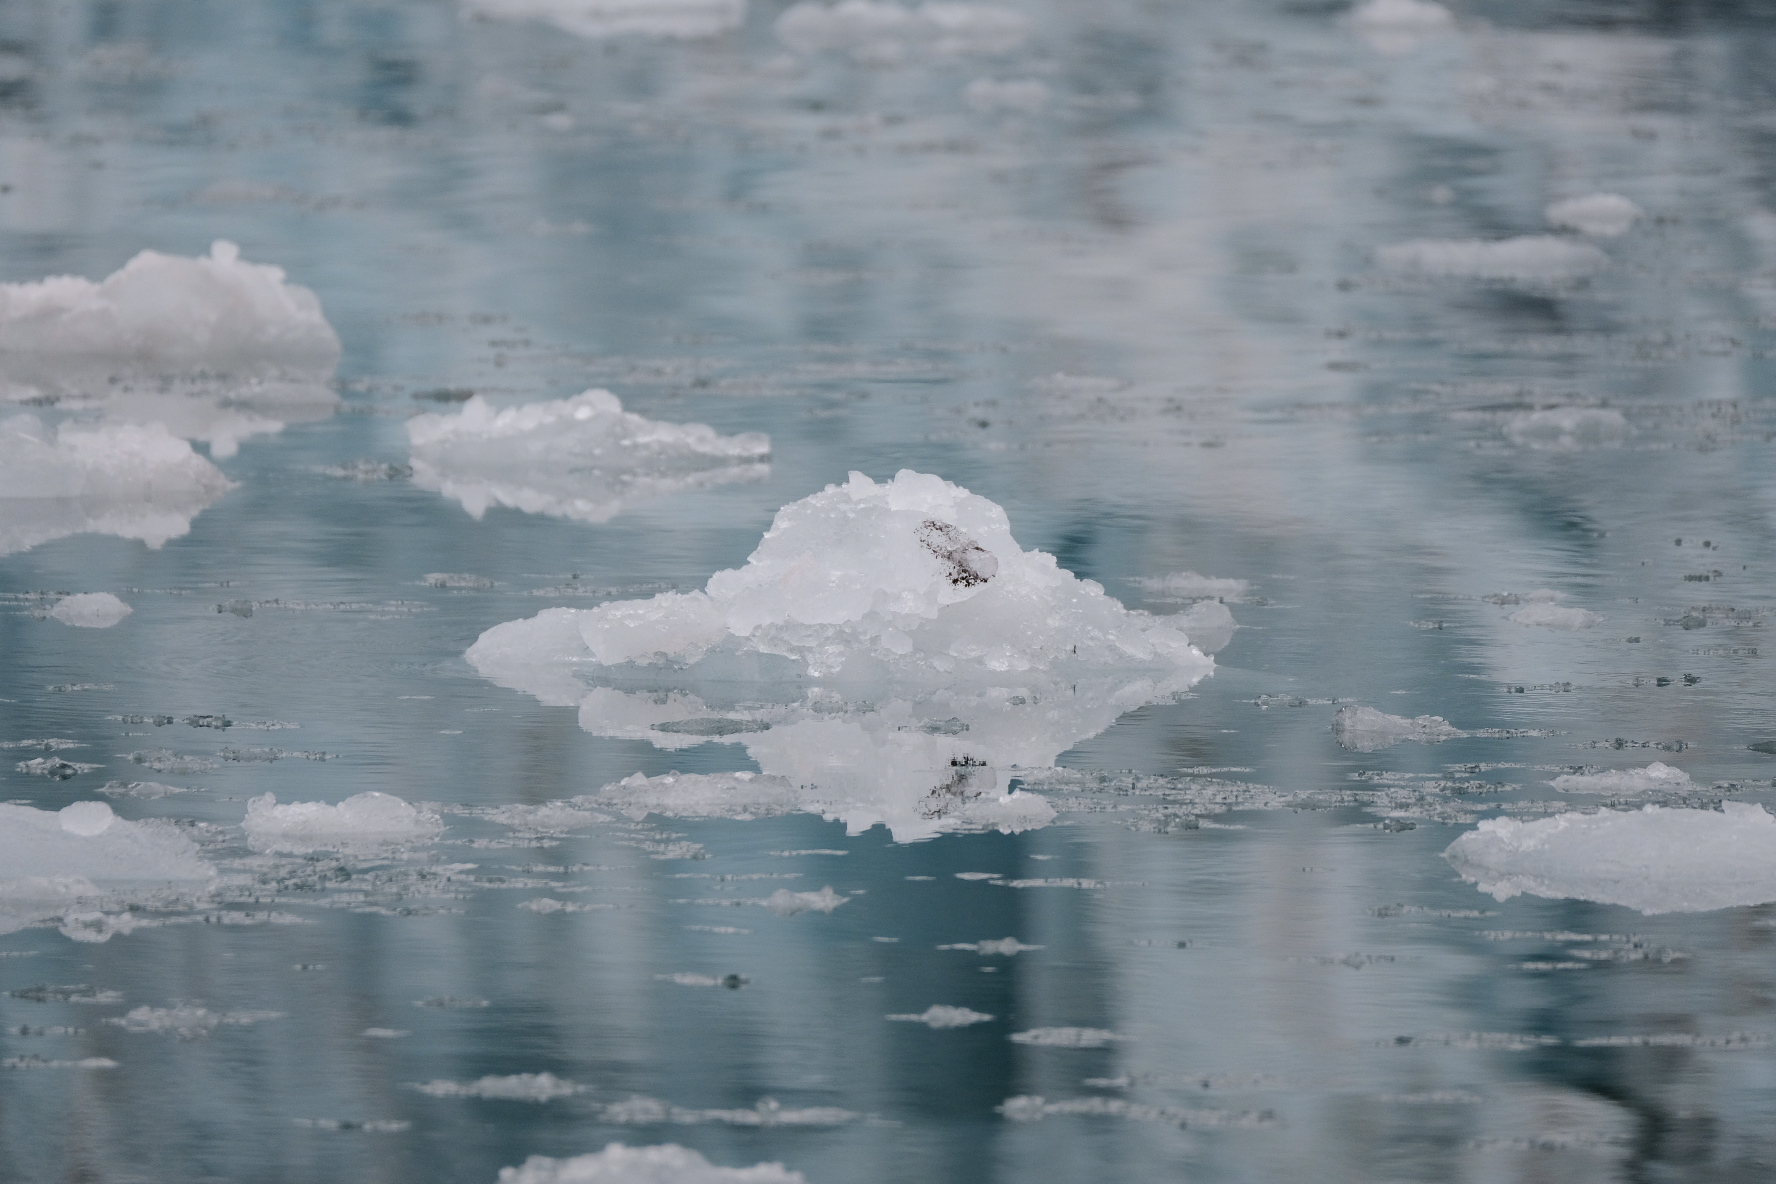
(615, 18)
(582, 458)
(1653, 778)
(942, 1015)
(1567, 429)
(667, 1163)
(1657, 859)
(1399, 26)
(1605, 215)
(187, 1021)
(1548, 615)
(90, 610)
(1364, 729)
(1187, 585)
(54, 863)
(133, 481)
(518, 1087)
(1067, 1037)
(1534, 258)
(365, 820)
(883, 33)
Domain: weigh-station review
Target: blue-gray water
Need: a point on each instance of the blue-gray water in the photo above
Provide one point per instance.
(1147, 318)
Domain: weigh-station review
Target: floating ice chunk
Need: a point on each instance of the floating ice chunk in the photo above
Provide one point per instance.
(519, 1087)
(216, 311)
(642, 1111)
(55, 863)
(1656, 776)
(785, 903)
(1209, 624)
(885, 33)
(1002, 945)
(1567, 429)
(1656, 859)
(1017, 95)
(1603, 214)
(90, 610)
(1399, 26)
(188, 1022)
(667, 1163)
(1364, 729)
(614, 18)
(582, 458)
(1540, 258)
(1542, 611)
(134, 481)
(940, 1015)
(703, 795)
(1067, 1037)
(1187, 585)
(365, 820)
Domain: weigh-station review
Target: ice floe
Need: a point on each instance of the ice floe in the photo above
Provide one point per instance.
(614, 18)
(1542, 608)
(1399, 26)
(1567, 429)
(1657, 859)
(362, 821)
(90, 610)
(583, 458)
(1536, 258)
(519, 1087)
(1364, 729)
(880, 32)
(882, 655)
(1067, 1037)
(767, 1112)
(1654, 778)
(667, 1163)
(940, 1015)
(58, 863)
(186, 1021)
(1605, 215)
(136, 481)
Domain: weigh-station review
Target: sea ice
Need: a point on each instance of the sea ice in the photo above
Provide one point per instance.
(940, 1015)
(186, 1021)
(519, 1087)
(90, 610)
(1187, 585)
(667, 1163)
(1567, 429)
(362, 821)
(1540, 608)
(785, 903)
(1398, 26)
(57, 862)
(582, 458)
(881, 32)
(614, 18)
(1067, 1037)
(1542, 258)
(1001, 945)
(135, 481)
(1656, 776)
(1602, 214)
(1657, 859)
(896, 646)
(1364, 729)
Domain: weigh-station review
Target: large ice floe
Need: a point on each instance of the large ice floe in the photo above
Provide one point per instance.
(880, 32)
(362, 822)
(888, 654)
(1657, 859)
(667, 1163)
(63, 864)
(137, 481)
(583, 458)
(614, 18)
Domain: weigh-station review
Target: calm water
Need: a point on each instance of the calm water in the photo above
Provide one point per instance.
(1143, 312)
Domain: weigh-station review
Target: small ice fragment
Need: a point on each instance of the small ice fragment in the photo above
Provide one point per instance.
(519, 1087)
(1567, 429)
(1187, 585)
(1364, 729)
(667, 1163)
(90, 610)
(785, 903)
(386, 1033)
(363, 820)
(1542, 258)
(885, 33)
(1657, 859)
(940, 1015)
(1001, 945)
(1555, 616)
(992, 97)
(86, 818)
(1209, 624)
(1067, 1037)
(597, 19)
(188, 1022)
(1602, 214)
(1656, 776)
(1399, 26)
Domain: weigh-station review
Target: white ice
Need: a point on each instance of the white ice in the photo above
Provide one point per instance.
(1656, 776)
(881, 32)
(1187, 585)
(1605, 215)
(58, 862)
(1400, 26)
(187, 1021)
(667, 1163)
(614, 18)
(1567, 429)
(1067, 1037)
(519, 1087)
(90, 610)
(1541, 610)
(582, 458)
(133, 481)
(940, 1015)
(362, 821)
(1364, 729)
(1537, 258)
(1657, 859)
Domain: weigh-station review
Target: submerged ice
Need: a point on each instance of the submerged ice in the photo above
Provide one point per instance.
(582, 458)
(893, 646)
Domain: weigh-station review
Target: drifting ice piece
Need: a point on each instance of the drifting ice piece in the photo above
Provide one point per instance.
(1535, 258)
(1656, 776)
(1656, 859)
(138, 482)
(90, 610)
(580, 458)
(884, 33)
(1603, 214)
(613, 18)
(1364, 729)
(667, 1163)
(53, 863)
(363, 821)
